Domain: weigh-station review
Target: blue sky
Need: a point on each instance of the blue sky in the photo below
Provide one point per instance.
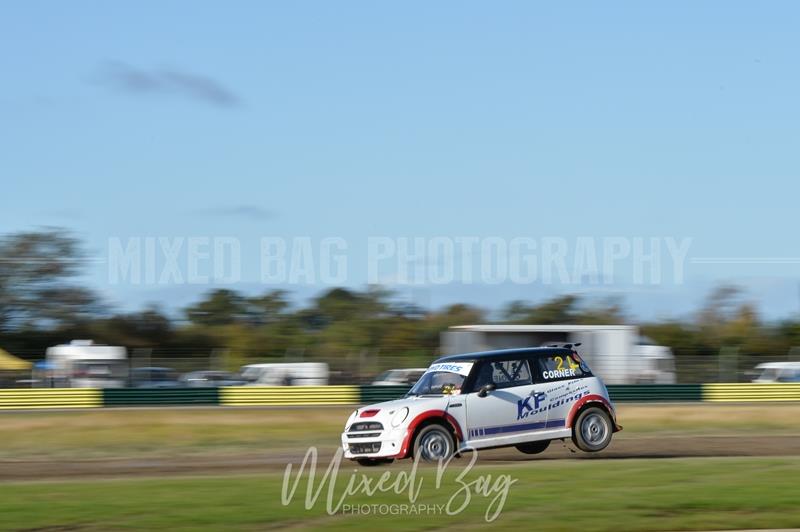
(355, 119)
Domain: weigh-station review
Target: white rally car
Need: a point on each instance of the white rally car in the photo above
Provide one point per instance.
(517, 397)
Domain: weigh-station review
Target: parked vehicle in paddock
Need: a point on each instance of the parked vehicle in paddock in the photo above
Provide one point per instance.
(523, 398)
(85, 364)
(399, 377)
(154, 377)
(286, 374)
(777, 372)
(209, 379)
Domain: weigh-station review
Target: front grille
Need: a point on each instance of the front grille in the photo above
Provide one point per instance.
(364, 435)
(365, 425)
(365, 448)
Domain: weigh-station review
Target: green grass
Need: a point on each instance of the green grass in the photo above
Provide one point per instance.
(711, 419)
(668, 494)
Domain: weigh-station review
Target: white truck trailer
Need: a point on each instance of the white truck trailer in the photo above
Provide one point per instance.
(616, 353)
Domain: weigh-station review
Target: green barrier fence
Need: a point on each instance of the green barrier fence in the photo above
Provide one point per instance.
(160, 396)
(377, 394)
(655, 393)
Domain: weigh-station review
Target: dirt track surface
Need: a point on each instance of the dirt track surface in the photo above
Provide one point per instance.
(656, 447)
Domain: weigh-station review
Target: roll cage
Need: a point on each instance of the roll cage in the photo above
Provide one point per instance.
(531, 356)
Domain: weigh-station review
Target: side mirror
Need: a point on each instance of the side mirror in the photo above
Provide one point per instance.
(485, 389)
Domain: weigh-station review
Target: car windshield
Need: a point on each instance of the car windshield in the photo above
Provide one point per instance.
(154, 374)
(769, 374)
(443, 378)
(390, 375)
(438, 383)
(252, 374)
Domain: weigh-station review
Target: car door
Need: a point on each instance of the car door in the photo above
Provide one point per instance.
(510, 412)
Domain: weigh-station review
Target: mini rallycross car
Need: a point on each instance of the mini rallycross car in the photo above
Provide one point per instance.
(518, 397)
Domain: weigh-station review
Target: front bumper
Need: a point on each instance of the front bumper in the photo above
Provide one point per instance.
(383, 444)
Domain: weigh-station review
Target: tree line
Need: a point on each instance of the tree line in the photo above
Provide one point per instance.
(42, 303)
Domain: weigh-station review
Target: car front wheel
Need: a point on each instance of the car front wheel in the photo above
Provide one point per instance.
(592, 430)
(434, 443)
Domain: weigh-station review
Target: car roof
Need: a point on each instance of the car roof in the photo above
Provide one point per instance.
(503, 353)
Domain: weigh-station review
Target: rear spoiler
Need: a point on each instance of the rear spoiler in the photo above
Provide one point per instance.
(566, 346)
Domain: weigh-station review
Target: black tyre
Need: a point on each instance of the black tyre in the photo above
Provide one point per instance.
(434, 443)
(371, 462)
(533, 447)
(592, 430)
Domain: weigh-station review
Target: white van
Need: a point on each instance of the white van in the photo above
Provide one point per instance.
(84, 364)
(286, 374)
(399, 377)
(777, 372)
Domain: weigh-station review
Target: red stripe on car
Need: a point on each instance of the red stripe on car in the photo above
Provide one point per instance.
(593, 398)
(428, 414)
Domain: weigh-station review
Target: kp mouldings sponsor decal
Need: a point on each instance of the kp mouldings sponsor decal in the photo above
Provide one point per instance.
(538, 403)
(461, 369)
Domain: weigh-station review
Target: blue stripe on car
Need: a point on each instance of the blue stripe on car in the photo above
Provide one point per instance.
(518, 427)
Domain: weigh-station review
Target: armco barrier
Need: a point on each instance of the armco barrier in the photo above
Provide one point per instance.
(350, 395)
(655, 393)
(288, 395)
(160, 396)
(746, 392)
(50, 398)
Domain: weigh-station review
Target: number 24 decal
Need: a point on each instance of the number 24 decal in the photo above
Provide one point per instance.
(560, 363)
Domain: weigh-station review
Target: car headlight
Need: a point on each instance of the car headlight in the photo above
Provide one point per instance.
(400, 416)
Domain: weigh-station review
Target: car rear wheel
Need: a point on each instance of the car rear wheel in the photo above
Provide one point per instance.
(533, 447)
(592, 430)
(434, 443)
